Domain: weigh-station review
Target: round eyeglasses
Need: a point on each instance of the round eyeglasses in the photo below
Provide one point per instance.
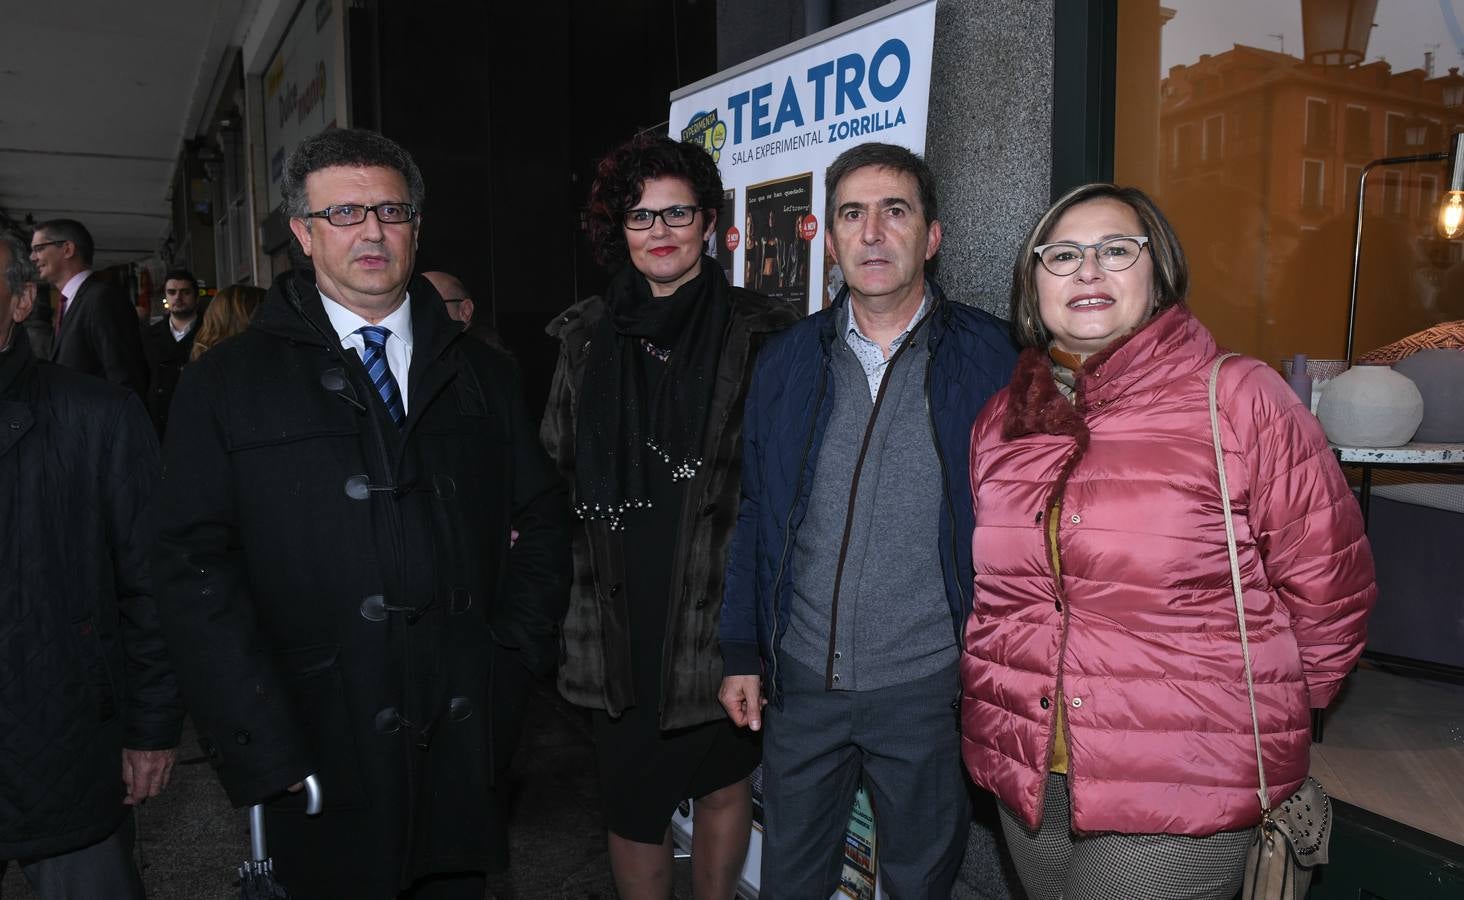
(1114, 254)
(354, 213)
(674, 217)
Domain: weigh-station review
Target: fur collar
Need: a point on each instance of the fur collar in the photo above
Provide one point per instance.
(1170, 345)
(1035, 405)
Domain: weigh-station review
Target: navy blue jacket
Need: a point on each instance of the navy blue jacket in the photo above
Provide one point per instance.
(788, 408)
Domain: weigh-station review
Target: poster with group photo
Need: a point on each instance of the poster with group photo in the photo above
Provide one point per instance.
(775, 123)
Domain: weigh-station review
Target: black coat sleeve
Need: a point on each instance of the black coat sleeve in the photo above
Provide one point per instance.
(154, 710)
(117, 340)
(535, 591)
(208, 610)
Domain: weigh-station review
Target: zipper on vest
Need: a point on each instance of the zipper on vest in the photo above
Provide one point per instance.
(879, 397)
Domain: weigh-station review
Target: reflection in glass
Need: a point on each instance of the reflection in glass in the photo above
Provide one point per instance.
(1255, 153)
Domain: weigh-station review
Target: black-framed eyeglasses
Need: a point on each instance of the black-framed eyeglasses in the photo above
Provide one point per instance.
(354, 213)
(1114, 254)
(674, 217)
(36, 248)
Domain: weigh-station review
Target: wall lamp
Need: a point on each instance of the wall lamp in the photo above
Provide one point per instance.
(1450, 220)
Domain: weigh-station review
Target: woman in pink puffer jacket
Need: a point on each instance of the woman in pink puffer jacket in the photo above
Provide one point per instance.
(1104, 693)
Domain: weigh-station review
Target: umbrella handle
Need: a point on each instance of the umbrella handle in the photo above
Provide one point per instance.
(314, 796)
(314, 803)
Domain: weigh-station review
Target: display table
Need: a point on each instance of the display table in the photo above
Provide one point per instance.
(1407, 455)
(1411, 455)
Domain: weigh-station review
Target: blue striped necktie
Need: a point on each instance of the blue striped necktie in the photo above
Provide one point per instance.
(380, 373)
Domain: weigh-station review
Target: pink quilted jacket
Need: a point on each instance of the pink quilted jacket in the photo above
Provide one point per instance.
(1139, 638)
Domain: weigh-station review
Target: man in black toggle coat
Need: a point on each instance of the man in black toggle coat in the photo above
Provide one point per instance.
(335, 567)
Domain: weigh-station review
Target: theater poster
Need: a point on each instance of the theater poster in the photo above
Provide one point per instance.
(773, 124)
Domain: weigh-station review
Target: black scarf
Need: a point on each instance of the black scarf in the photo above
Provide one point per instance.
(619, 428)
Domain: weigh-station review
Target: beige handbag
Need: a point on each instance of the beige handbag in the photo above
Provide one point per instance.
(1292, 838)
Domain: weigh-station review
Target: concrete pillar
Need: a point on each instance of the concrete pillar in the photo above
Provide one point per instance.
(989, 139)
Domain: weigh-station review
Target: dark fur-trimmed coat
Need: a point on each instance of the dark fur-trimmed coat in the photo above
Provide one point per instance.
(595, 670)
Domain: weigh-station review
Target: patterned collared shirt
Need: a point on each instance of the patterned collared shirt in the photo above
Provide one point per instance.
(870, 355)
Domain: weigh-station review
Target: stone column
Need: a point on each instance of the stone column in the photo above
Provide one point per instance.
(989, 139)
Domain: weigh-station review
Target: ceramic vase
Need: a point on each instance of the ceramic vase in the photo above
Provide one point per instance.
(1370, 406)
(1439, 375)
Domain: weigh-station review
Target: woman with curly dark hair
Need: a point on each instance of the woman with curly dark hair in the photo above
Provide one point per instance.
(645, 422)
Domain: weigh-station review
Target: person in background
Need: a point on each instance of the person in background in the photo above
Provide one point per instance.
(168, 343)
(460, 308)
(1105, 699)
(96, 325)
(645, 421)
(334, 565)
(228, 313)
(848, 578)
(92, 712)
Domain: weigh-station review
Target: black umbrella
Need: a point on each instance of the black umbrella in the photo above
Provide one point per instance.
(256, 874)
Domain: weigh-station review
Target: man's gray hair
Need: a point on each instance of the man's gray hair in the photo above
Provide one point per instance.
(353, 147)
(19, 270)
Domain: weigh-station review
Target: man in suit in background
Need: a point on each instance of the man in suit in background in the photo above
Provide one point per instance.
(168, 342)
(97, 329)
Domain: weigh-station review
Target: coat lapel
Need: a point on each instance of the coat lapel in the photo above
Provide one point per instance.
(68, 321)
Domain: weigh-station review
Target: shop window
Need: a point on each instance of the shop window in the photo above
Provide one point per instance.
(232, 234)
(1270, 159)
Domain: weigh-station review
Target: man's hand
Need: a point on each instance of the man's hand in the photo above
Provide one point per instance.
(146, 772)
(742, 698)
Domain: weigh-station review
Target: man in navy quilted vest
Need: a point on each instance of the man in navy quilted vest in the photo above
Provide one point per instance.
(89, 709)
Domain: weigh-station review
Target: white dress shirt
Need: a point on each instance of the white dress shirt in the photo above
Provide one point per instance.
(68, 291)
(348, 327)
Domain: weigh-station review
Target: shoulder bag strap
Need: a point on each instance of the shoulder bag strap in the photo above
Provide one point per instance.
(1250, 685)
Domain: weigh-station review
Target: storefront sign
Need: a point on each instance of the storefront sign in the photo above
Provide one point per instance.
(304, 90)
(774, 124)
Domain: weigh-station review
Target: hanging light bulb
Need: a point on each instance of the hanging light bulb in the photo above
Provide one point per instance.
(1451, 210)
(1451, 215)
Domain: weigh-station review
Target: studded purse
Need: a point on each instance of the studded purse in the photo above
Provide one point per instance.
(1291, 840)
